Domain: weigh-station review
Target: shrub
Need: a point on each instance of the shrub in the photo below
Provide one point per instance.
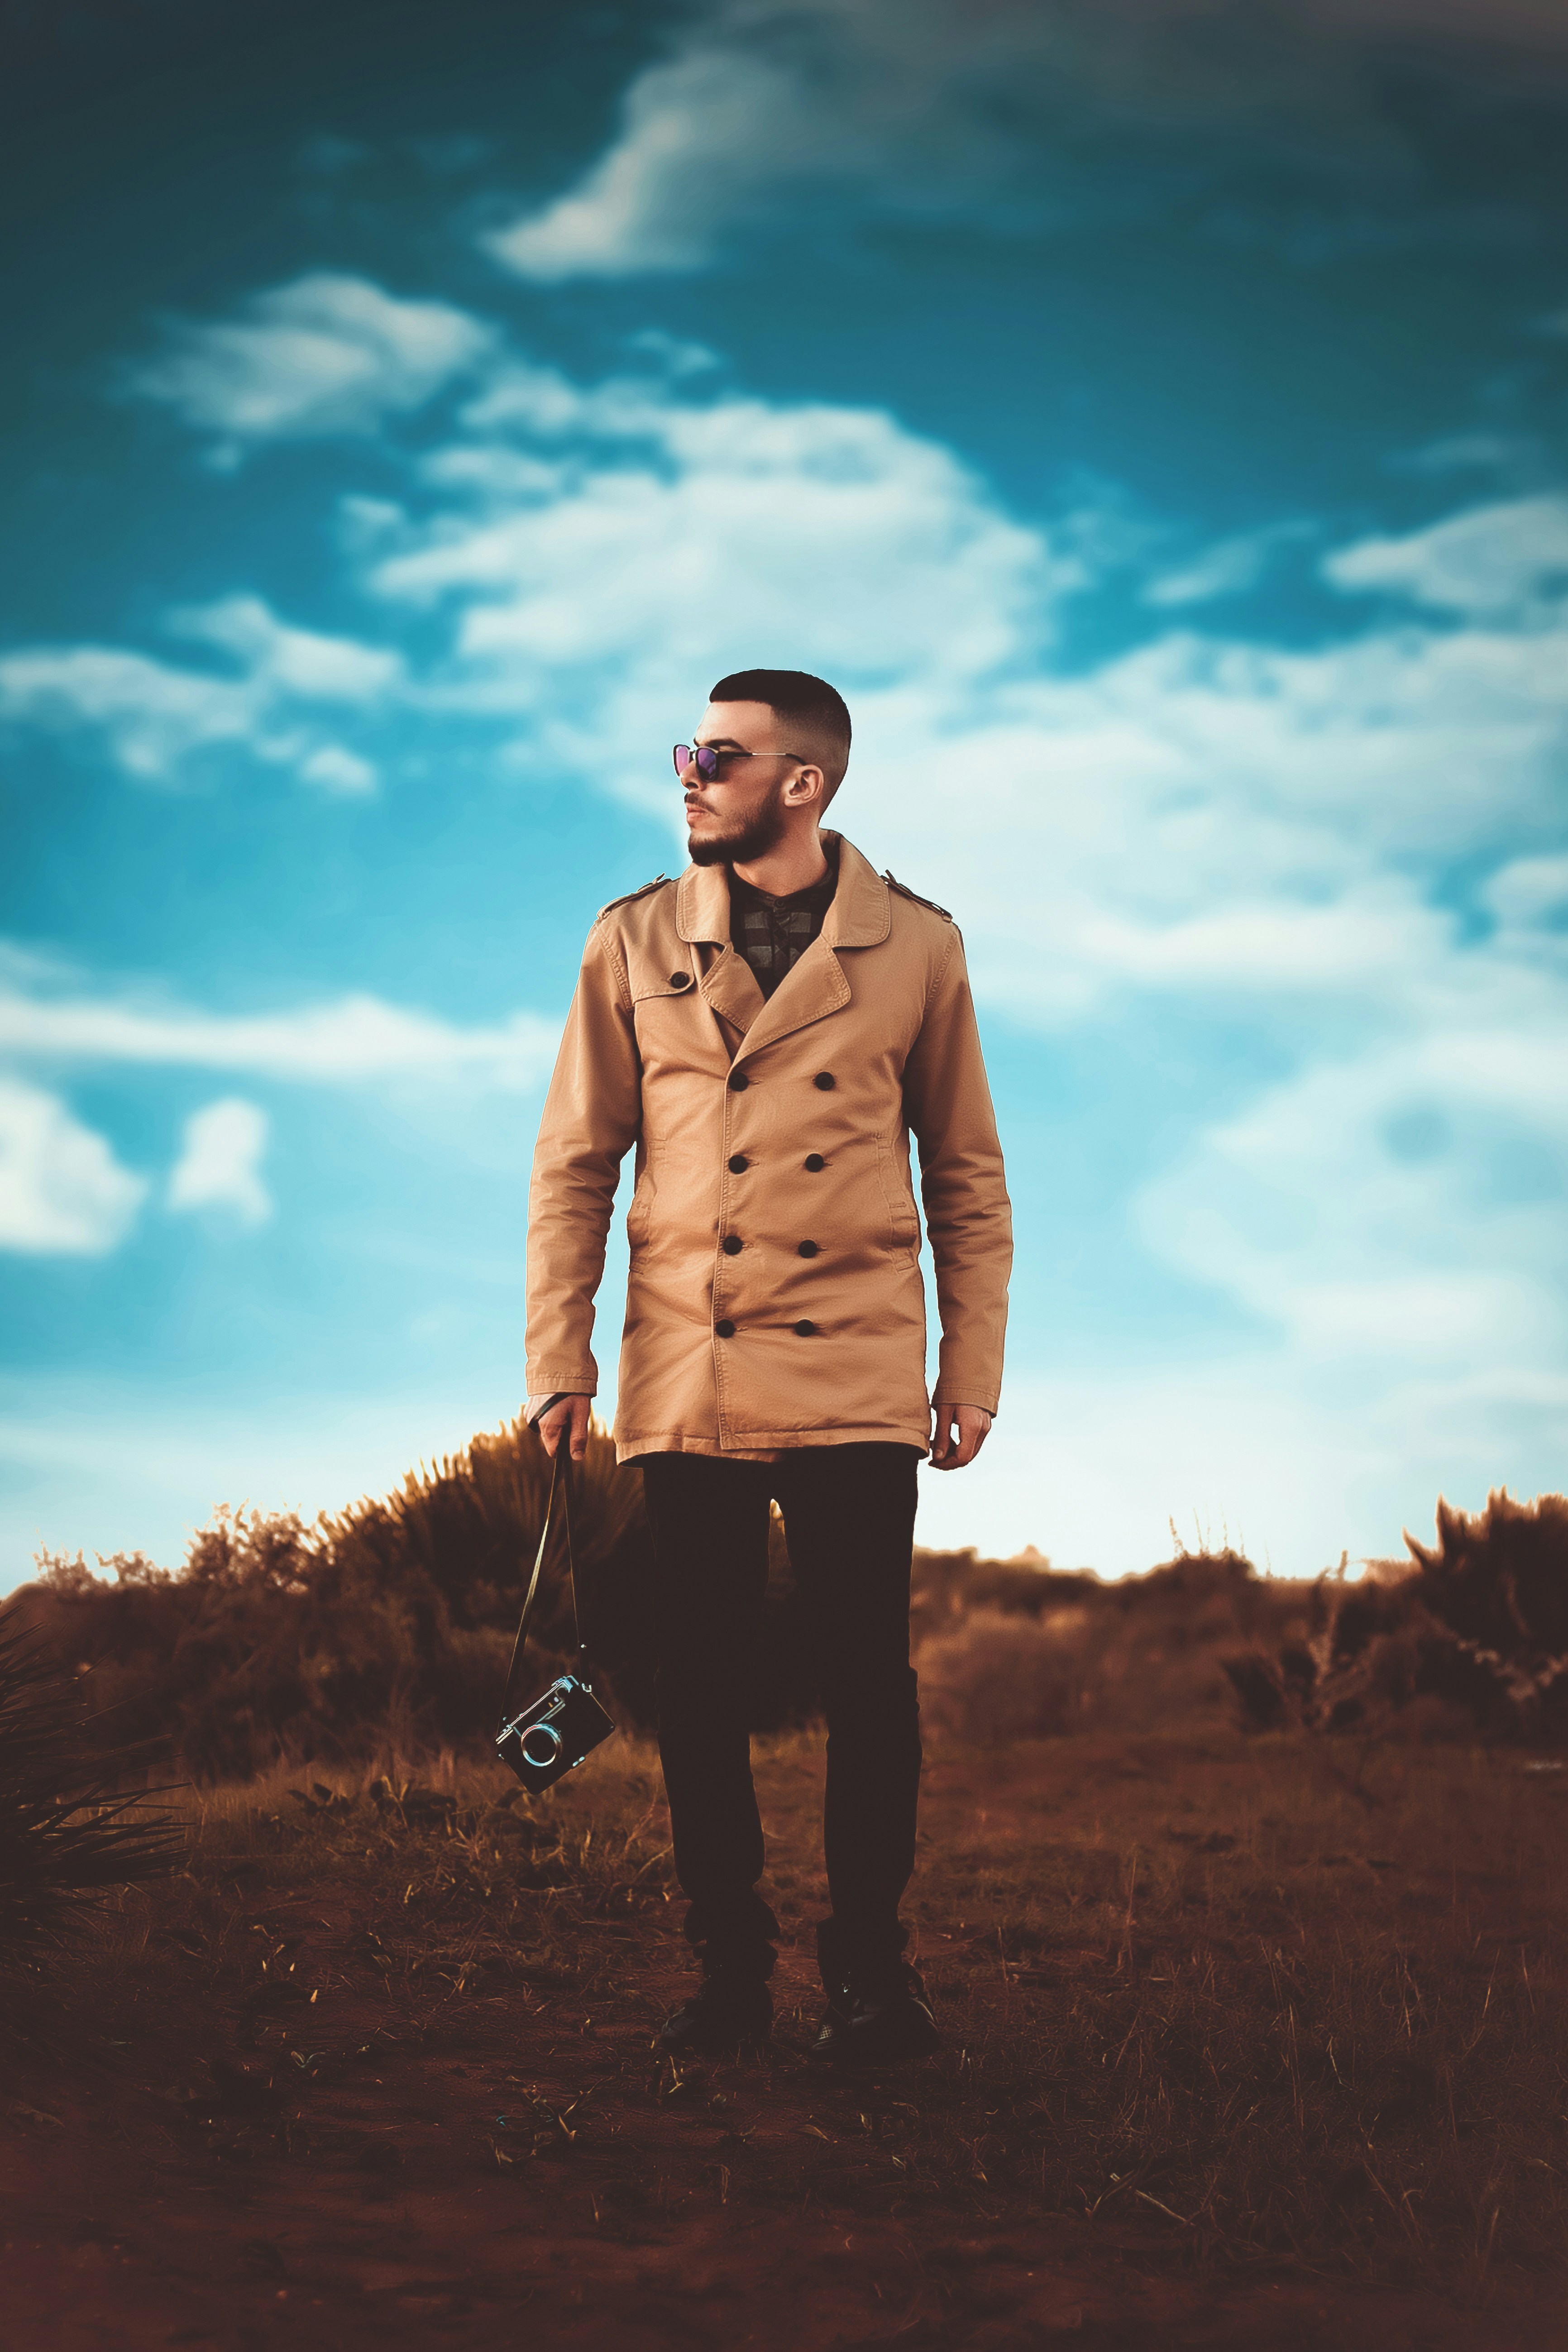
(1019, 1651)
(1476, 1626)
(391, 1620)
(387, 1626)
(67, 1827)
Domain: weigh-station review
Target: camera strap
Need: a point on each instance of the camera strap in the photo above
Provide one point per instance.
(560, 1488)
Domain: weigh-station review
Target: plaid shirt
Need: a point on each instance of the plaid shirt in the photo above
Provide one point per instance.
(773, 934)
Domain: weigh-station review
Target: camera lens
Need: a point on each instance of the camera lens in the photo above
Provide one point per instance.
(541, 1745)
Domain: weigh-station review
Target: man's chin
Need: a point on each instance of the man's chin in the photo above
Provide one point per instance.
(735, 848)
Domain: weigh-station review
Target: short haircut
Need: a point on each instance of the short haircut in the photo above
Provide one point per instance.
(818, 712)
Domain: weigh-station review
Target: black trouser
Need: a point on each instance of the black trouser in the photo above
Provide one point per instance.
(849, 1515)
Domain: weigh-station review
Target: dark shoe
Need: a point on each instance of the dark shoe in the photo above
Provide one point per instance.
(724, 2011)
(877, 2022)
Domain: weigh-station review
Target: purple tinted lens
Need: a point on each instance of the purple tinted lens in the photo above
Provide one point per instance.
(707, 762)
(681, 755)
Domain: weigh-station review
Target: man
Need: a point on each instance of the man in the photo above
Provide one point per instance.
(767, 1032)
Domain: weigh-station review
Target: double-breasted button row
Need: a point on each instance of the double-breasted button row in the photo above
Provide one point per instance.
(739, 1163)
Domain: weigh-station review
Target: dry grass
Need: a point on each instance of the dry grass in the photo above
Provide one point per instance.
(1211, 1998)
(1237, 2020)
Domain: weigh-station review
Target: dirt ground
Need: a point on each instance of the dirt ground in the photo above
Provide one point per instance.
(382, 2075)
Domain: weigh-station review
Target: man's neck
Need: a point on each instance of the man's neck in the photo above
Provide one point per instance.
(789, 866)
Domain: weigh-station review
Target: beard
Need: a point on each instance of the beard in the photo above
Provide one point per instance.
(763, 831)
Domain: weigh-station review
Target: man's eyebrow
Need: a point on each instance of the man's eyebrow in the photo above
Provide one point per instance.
(720, 743)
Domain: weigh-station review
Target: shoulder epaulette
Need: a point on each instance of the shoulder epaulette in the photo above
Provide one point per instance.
(905, 892)
(658, 883)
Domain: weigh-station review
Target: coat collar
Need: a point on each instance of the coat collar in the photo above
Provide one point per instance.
(860, 917)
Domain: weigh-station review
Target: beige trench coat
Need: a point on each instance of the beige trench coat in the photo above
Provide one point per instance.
(775, 1296)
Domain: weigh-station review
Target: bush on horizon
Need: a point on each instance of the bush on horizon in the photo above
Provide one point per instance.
(1474, 1626)
(387, 1627)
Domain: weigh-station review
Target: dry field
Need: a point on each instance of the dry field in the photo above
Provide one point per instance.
(1250, 2041)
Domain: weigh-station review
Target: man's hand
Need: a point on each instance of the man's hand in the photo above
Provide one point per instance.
(570, 1413)
(948, 1452)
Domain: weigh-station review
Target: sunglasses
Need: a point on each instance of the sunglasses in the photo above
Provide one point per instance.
(708, 761)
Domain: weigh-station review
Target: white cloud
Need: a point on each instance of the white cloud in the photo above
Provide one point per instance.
(1226, 568)
(931, 107)
(1503, 560)
(702, 136)
(220, 1164)
(355, 1039)
(328, 354)
(62, 1191)
(1403, 1204)
(1201, 812)
(1531, 893)
(641, 533)
(288, 661)
(155, 717)
(151, 715)
(338, 770)
(1462, 453)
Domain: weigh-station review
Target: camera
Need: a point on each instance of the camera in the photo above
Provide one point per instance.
(551, 1738)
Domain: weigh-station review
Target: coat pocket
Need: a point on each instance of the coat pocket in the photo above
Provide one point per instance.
(639, 1208)
(897, 1201)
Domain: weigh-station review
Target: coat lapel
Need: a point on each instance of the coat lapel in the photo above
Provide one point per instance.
(814, 988)
(726, 981)
(860, 917)
(731, 988)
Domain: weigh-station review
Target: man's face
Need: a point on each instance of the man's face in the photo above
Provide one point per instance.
(738, 815)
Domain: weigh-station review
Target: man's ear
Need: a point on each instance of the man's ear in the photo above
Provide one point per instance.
(806, 788)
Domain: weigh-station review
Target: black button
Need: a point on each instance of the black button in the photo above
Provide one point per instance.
(814, 1161)
(739, 1165)
(805, 1331)
(808, 1249)
(680, 980)
(739, 1082)
(825, 1080)
(726, 1330)
(731, 1245)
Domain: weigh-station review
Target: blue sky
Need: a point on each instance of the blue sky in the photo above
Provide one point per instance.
(1152, 419)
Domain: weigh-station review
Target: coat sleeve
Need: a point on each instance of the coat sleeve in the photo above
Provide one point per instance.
(969, 1217)
(592, 1114)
